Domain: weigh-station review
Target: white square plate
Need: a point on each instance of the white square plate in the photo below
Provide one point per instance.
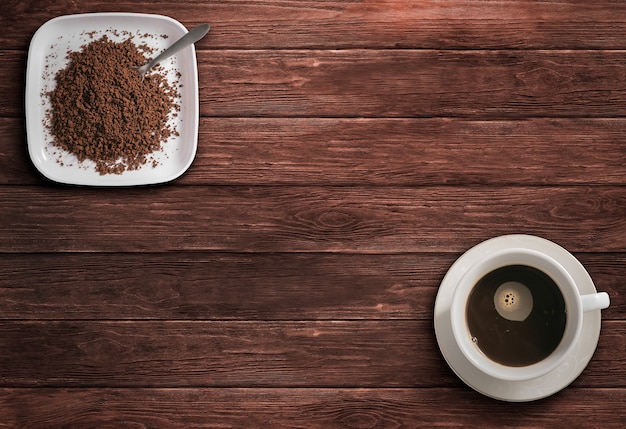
(48, 54)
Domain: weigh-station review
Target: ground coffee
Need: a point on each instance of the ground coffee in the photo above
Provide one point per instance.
(101, 109)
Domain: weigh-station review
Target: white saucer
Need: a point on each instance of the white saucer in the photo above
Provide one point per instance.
(515, 391)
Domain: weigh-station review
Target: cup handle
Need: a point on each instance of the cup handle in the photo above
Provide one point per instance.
(595, 301)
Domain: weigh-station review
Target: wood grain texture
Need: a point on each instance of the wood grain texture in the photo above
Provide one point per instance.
(349, 153)
(303, 408)
(467, 24)
(411, 152)
(212, 286)
(361, 353)
(312, 219)
(226, 286)
(366, 82)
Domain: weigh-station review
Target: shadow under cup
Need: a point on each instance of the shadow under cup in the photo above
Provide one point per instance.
(517, 314)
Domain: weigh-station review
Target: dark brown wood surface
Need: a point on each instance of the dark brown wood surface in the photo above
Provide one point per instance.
(349, 152)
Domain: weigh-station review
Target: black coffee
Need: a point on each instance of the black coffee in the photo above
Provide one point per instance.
(517, 343)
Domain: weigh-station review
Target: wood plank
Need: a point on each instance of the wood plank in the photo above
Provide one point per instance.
(219, 354)
(200, 286)
(330, 151)
(14, 70)
(306, 219)
(392, 83)
(315, 151)
(359, 353)
(15, 164)
(310, 408)
(274, 24)
(379, 83)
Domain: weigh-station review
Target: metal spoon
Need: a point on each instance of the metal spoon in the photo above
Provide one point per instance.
(191, 37)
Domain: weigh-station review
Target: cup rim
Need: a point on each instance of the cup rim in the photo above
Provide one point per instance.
(503, 258)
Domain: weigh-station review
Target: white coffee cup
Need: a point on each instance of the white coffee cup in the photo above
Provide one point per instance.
(575, 306)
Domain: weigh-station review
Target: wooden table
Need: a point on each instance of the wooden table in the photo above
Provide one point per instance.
(349, 153)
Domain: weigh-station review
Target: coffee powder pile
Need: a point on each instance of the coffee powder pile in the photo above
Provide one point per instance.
(101, 110)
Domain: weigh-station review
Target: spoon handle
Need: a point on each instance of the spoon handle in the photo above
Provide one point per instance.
(191, 37)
